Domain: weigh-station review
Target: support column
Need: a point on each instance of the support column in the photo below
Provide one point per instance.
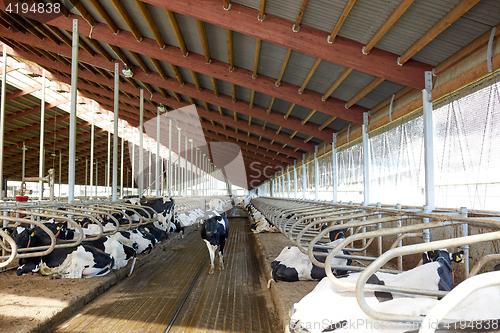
(121, 162)
(197, 180)
(42, 132)
(114, 194)
(157, 169)
(2, 116)
(288, 177)
(185, 164)
(108, 165)
(72, 120)
(316, 173)
(96, 176)
(295, 179)
(179, 161)
(366, 160)
(133, 161)
(140, 174)
(334, 167)
(191, 173)
(304, 180)
(428, 151)
(169, 169)
(92, 150)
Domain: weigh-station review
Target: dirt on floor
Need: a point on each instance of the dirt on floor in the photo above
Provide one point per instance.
(31, 303)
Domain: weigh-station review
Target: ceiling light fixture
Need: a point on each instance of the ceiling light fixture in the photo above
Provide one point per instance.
(127, 72)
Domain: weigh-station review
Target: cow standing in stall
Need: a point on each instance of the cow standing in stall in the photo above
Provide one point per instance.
(214, 231)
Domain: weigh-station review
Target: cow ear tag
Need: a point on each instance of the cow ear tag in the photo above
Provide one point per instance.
(32, 234)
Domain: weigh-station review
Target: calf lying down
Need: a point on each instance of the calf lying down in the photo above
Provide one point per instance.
(329, 307)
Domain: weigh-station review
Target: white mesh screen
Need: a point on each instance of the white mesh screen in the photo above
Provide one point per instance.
(325, 166)
(397, 165)
(467, 151)
(350, 173)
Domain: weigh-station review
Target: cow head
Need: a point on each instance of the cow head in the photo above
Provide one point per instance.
(212, 225)
(437, 255)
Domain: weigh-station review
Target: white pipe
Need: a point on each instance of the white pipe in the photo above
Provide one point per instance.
(185, 164)
(179, 162)
(197, 181)
(24, 162)
(2, 115)
(169, 170)
(149, 170)
(86, 175)
(121, 163)
(96, 176)
(42, 132)
(335, 168)
(72, 121)
(108, 166)
(157, 169)
(366, 160)
(295, 179)
(316, 173)
(191, 175)
(60, 171)
(133, 161)
(114, 196)
(304, 180)
(141, 149)
(92, 150)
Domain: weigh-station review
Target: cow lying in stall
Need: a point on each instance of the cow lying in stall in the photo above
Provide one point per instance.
(259, 223)
(329, 307)
(71, 262)
(293, 265)
(214, 231)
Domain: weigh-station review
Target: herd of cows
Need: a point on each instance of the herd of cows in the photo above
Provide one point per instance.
(331, 307)
(98, 256)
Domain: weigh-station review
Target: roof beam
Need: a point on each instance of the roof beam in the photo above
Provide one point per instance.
(151, 23)
(262, 10)
(340, 21)
(205, 95)
(439, 27)
(283, 67)
(204, 40)
(364, 91)
(128, 20)
(177, 31)
(258, 44)
(395, 15)
(217, 69)
(337, 83)
(105, 16)
(230, 53)
(310, 40)
(296, 25)
(309, 76)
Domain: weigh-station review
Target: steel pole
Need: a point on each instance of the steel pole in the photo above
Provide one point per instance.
(108, 167)
(114, 196)
(24, 161)
(72, 121)
(141, 147)
(366, 160)
(185, 164)
(92, 150)
(2, 115)
(169, 169)
(157, 170)
(133, 161)
(334, 167)
(191, 174)
(121, 162)
(42, 132)
(179, 162)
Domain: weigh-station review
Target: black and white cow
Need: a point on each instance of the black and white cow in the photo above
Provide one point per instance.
(164, 208)
(71, 262)
(145, 240)
(159, 234)
(293, 265)
(120, 252)
(329, 307)
(214, 231)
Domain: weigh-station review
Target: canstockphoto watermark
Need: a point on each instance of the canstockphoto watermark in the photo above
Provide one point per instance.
(258, 171)
(357, 324)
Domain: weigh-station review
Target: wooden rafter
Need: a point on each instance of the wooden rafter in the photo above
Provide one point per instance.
(214, 84)
(296, 25)
(177, 74)
(158, 67)
(119, 53)
(327, 122)
(289, 110)
(283, 67)
(258, 44)
(270, 108)
(233, 92)
(230, 53)
(262, 10)
(293, 134)
(439, 27)
(105, 16)
(177, 31)
(204, 40)
(150, 22)
(99, 48)
(141, 62)
(128, 20)
(226, 4)
(309, 115)
(388, 23)
(25, 25)
(364, 91)
(340, 21)
(308, 139)
(252, 99)
(220, 111)
(337, 82)
(83, 12)
(196, 81)
(309, 76)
